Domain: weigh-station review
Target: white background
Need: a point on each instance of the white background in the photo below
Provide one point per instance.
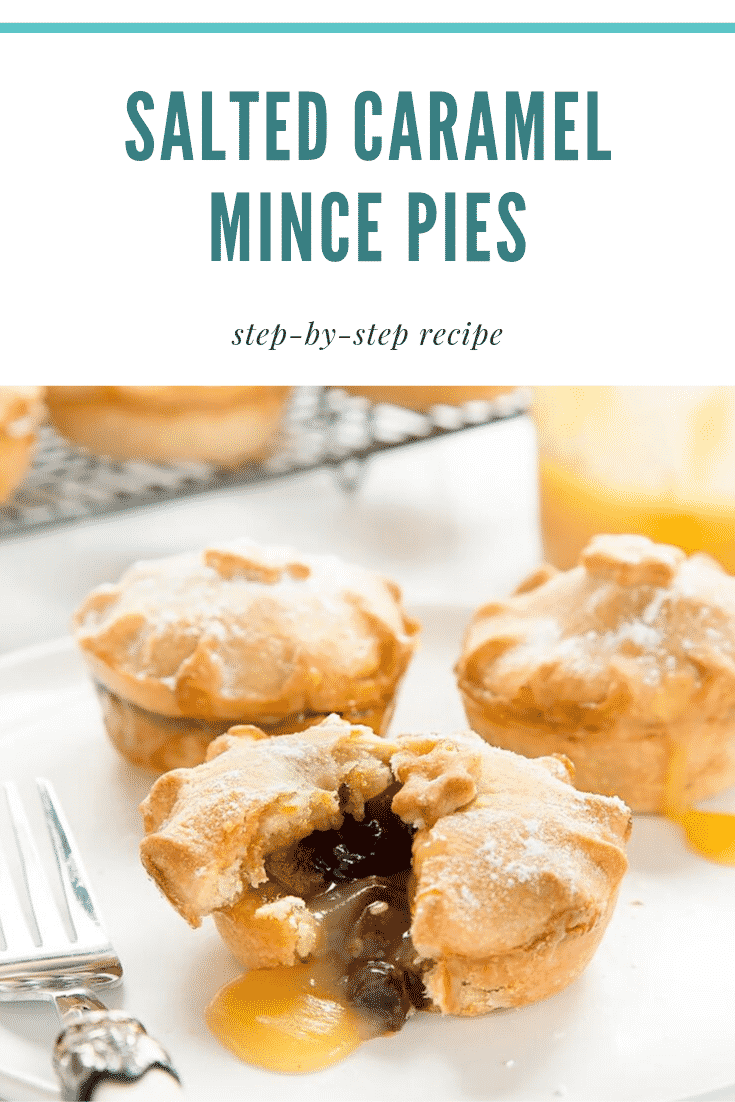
(106, 265)
(106, 277)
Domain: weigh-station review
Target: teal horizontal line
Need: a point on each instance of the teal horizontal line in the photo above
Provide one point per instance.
(367, 28)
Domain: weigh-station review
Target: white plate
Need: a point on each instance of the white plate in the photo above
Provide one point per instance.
(650, 1019)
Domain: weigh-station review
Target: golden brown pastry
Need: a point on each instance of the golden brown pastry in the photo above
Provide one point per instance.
(222, 425)
(626, 664)
(21, 412)
(422, 398)
(183, 647)
(485, 879)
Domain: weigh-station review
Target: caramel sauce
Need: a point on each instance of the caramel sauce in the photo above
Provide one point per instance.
(288, 1019)
(709, 833)
(362, 981)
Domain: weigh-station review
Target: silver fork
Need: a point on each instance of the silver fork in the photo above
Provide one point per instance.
(97, 1047)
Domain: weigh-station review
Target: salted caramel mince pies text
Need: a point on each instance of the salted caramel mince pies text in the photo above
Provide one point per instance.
(408, 872)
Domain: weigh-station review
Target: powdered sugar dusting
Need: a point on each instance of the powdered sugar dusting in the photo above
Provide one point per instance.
(245, 623)
(584, 635)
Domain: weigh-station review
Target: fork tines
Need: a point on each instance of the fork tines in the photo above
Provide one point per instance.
(62, 957)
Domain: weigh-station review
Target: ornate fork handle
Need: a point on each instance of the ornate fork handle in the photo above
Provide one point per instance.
(104, 1045)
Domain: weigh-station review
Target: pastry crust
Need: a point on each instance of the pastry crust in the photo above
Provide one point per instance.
(625, 664)
(222, 425)
(241, 634)
(422, 398)
(21, 412)
(514, 873)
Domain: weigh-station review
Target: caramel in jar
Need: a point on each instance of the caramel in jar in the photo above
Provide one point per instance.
(655, 461)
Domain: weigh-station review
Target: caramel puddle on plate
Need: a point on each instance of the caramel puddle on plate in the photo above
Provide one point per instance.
(709, 833)
(288, 1019)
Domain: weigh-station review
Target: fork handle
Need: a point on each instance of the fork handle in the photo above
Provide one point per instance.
(102, 1049)
(155, 1086)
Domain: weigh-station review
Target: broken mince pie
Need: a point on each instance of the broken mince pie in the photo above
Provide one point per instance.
(437, 872)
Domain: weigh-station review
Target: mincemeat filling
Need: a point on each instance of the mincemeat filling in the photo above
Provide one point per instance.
(357, 880)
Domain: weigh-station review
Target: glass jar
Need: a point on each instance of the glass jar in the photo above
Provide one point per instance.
(656, 461)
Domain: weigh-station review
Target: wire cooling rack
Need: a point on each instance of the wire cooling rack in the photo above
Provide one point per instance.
(321, 428)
